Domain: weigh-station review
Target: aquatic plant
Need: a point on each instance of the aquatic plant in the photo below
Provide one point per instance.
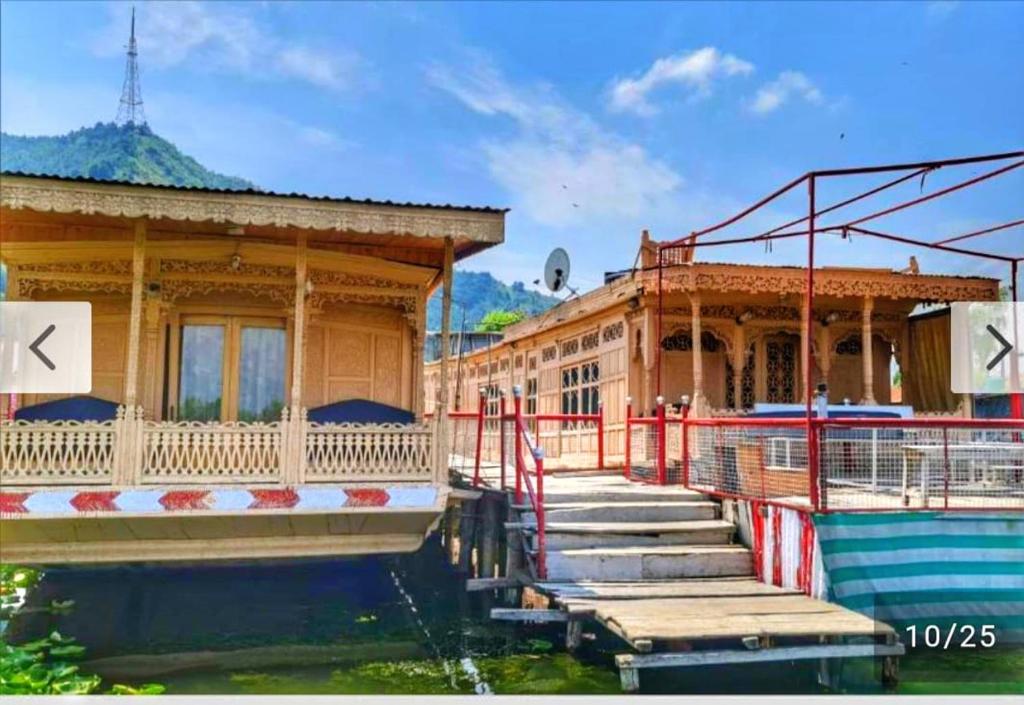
(45, 666)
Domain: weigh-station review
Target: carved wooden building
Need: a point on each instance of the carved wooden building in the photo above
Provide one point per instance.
(257, 371)
(603, 346)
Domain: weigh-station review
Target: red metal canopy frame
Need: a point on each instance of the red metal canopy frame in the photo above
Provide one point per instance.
(812, 230)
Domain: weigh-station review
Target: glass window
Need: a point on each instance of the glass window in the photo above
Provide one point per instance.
(580, 389)
(202, 372)
(261, 373)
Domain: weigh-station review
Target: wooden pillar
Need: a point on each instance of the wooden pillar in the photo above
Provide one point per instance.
(151, 384)
(419, 327)
(698, 357)
(292, 471)
(825, 352)
(903, 359)
(805, 360)
(445, 387)
(131, 374)
(739, 361)
(866, 352)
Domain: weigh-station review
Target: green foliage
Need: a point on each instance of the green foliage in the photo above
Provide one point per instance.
(111, 152)
(497, 321)
(480, 293)
(45, 666)
(195, 409)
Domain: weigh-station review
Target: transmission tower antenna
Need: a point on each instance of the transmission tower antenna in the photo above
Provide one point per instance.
(130, 112)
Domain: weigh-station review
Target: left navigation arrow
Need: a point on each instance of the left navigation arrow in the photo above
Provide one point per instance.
(34, 347)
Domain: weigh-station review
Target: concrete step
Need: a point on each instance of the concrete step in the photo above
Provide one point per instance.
(598, 534)
(615, 512)
(648, 562)
(619, 493)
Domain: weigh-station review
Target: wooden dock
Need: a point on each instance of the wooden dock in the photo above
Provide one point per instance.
(658, 567)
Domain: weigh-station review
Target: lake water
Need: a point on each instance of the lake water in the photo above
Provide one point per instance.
(397, 625)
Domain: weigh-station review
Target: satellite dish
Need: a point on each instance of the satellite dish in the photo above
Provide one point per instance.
(556, 270)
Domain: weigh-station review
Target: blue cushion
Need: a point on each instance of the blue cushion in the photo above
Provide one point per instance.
(83, 408)
(360, 411)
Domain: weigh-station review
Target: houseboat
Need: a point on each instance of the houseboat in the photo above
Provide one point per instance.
(257, 370)
(612, 344)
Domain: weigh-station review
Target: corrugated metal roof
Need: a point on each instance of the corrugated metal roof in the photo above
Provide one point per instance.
(256, 192)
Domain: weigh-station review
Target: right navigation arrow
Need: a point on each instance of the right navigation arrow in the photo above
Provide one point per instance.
(1002, 353)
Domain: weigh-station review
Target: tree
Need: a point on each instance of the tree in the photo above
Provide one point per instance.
(498, 320)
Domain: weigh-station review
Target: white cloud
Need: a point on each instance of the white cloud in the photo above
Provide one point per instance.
(223, 37)
(696, 70)
(323, 70)
(560, 166)
(788, 85)
(940, 9)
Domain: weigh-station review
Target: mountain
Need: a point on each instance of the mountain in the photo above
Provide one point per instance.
(129, 153)
(111, 152)
(480, 292)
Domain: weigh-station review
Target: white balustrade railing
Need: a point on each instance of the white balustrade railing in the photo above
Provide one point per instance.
(194, 452)
(132, 451)
(58, 452)
(340, 452)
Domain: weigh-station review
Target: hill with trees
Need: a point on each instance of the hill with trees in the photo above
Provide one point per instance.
(112, 153)
(480, 294)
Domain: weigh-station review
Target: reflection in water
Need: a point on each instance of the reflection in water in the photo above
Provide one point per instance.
(390, 625)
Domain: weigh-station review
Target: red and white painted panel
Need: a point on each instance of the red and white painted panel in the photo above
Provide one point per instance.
(33, 504)
(786, 548)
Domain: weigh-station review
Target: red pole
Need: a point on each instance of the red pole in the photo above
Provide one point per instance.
(600, 435)
(629, 443)
(945, 477)
(481, 407)
(501, 435)
(813, 469)
(542, 557)
(660, 430)
(657, 347)
(686, 442)
(517, 407)
(1016, 400)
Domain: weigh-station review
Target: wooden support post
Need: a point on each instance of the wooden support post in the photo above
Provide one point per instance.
(866, 352)
(573, 634)
(467, 532)
(292, 472)
(891, 662)
(696, 333)
(449, 533)
(514, 563)
(131, 374)
(129, 452)
(739, 360)
(629, 679)
(488, 537)
(825, 353)
(446, 324)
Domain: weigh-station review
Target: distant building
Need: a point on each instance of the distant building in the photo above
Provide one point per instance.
(470, 341)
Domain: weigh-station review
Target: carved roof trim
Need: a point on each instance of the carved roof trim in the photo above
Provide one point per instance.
(842, 283)
(122, 200)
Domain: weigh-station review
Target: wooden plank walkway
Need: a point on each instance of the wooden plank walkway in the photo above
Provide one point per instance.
(674, 587)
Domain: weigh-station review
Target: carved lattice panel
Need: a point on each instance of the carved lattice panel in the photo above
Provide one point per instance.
(196, 452)
(339, 452)
(57, 452)
(780, 371)
(747, 383)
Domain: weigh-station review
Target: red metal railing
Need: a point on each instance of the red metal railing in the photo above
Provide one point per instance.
(851, 464)
(535, 493)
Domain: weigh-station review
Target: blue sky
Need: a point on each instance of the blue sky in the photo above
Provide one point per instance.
(590, 121)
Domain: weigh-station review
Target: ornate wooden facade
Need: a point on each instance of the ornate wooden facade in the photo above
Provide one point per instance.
(748, 321)
(219, 320)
